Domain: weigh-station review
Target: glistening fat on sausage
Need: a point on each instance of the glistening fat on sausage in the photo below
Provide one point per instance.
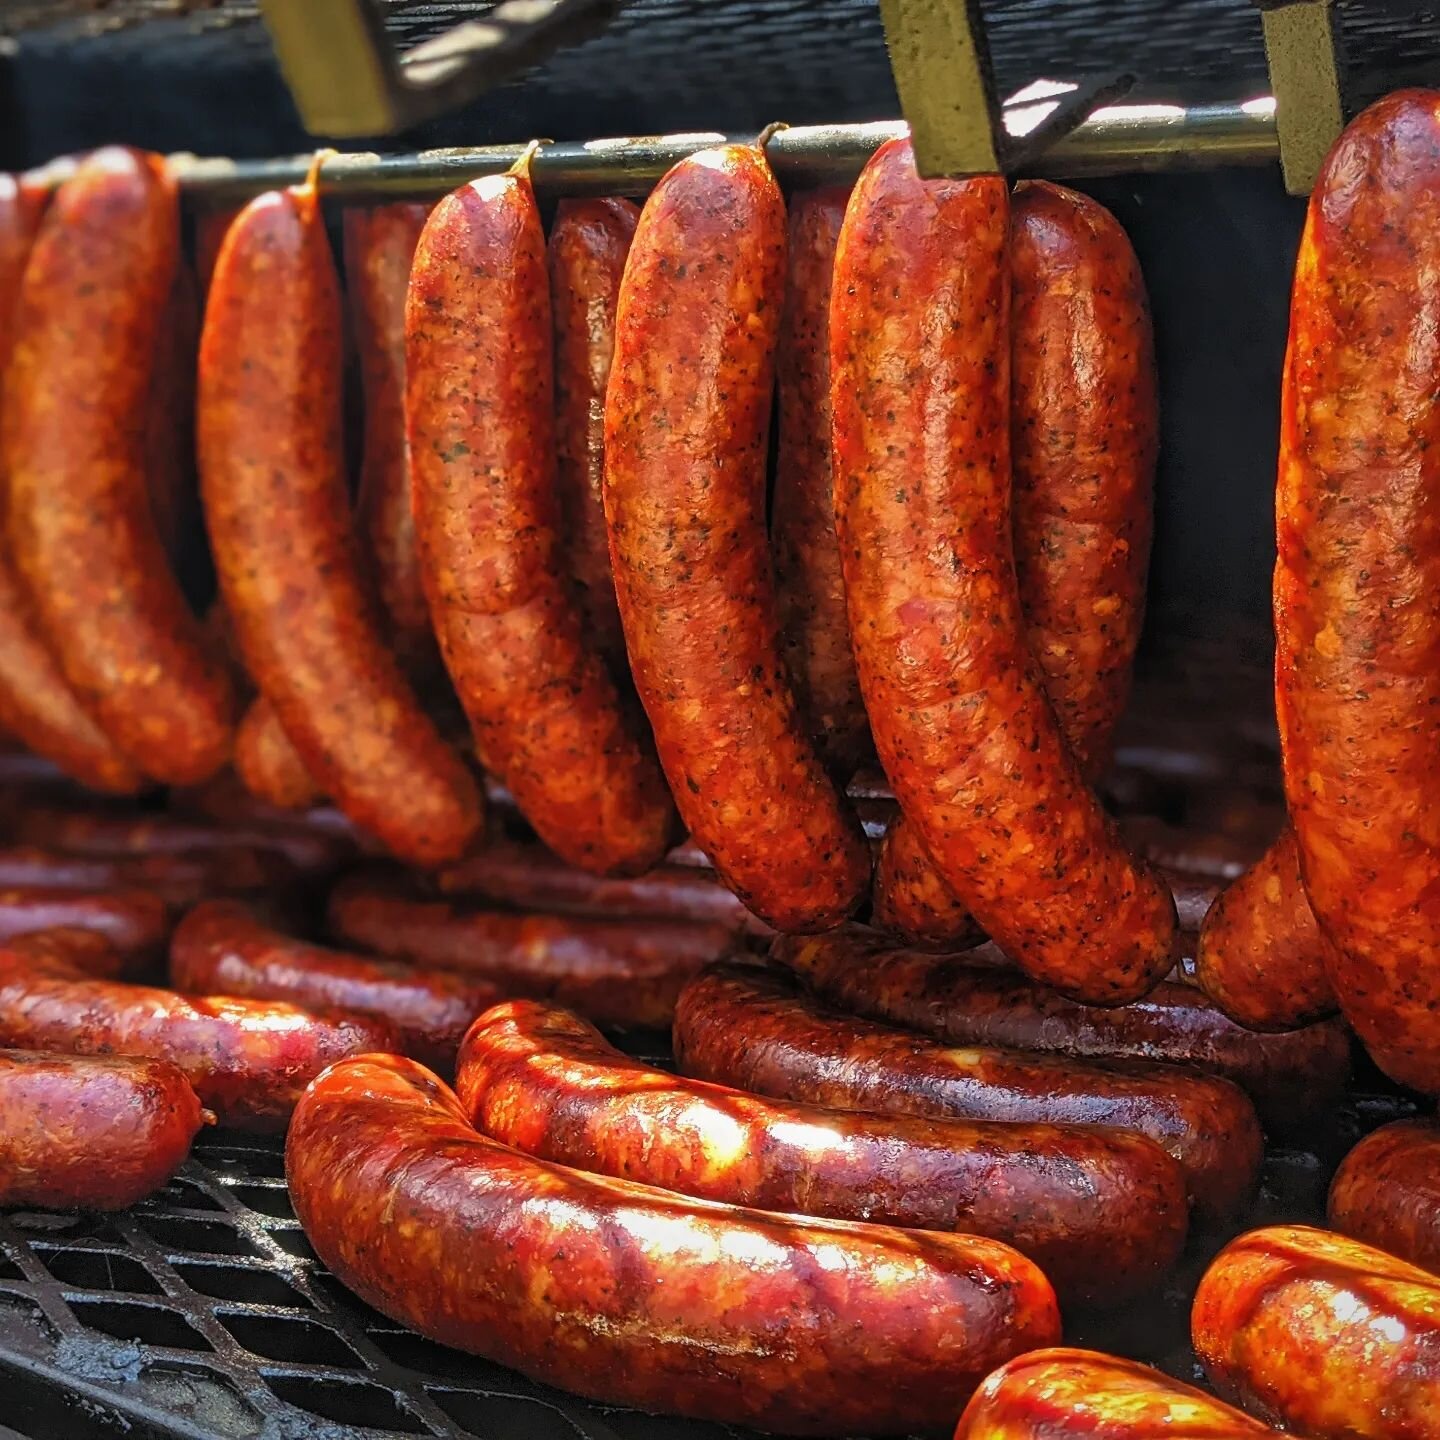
(633, 1296)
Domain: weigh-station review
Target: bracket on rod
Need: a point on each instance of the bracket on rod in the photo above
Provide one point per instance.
(1302, 49)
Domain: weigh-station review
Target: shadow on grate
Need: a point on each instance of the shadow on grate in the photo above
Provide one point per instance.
(99, 1270)
(248, 1286)
(152, 1324)
(346, 1401)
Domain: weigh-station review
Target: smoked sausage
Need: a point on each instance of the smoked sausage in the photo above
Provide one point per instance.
(81, 523)
(615, 972)
(545, 713)
(248, 1060)
(809, 588)
(1081, 1395)
(272, 477)
(72, 948)
(1322, 1335)
(91, 1133)
(267, 763)
(1102, 1213)
(920, 390)
(529, 877)
(752, 1029)
(1084, 435)
(135, 922)
(222, 948)
(1387, 1192)
(379, 246)
(1261, 956)
(588, 245)
(36, 703)
(633, 1296)
(963, 1000)
(686, 416)
(1357, 576)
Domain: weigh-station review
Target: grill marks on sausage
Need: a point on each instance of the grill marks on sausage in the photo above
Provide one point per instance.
(687, 412)
(545, 714)
(920, 393)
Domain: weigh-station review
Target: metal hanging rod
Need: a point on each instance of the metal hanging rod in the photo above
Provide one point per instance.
(1116, 140)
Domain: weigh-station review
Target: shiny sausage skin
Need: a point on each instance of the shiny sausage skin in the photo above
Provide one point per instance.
(809, 587)
(754, 1030)
(36, 703)
(176, 879)
(72, 948)
(313, 852)
(1084, 435)
(1357, 576)
(1081, 1395)
(632, 1296)
(93, 1133)
(248, 1060)
(1102, 1213)
(920, 391)
(1322, 1335)
(529, 877)
(379, 246)
(971, 999)
(1261, 956)
(82, 528)
(267, 763)
(614, 972)
(1387, 1192)
(544, 711)
(686, 416)
(135, 922)
(588, 245)
(272, 475)
(221, 948)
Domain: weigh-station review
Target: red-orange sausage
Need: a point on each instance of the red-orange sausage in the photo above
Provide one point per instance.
(1322, 1335)
(72, 948)
(81, 525)
(268, 764)
(36, 704)
(633, 1296)
(221, 948)
(272, 475)
(1387, 1192)
(615, 972)
(809, 588)
(544, 711)
(1101, 1212)
(179, 879)
(920, 393)
(1261, 956)
(379, 246)
(94, 1133)
(136, 922)
(754, 1030)
(1081, 1395)
(1357, 576)
(248, 1060)
(974, 999)
(588, 245)
(686, 416)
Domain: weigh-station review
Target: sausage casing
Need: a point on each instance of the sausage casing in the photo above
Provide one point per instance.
(1387, 1192)
(91, 1133)
(1261, 956)
(963, 1001)
(82, 527)
(920, 392)
(135, 922)
(633, 1296)
(753, 1030)
(247, 1060)
(267, 763)
(588, 245)
(1102, 1213)
(1322, 1335)
(615, 972)
(272, 476)
(222, 948)
(1081, 1395)
(545, 713)
(1357, 575)
(686, 416)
